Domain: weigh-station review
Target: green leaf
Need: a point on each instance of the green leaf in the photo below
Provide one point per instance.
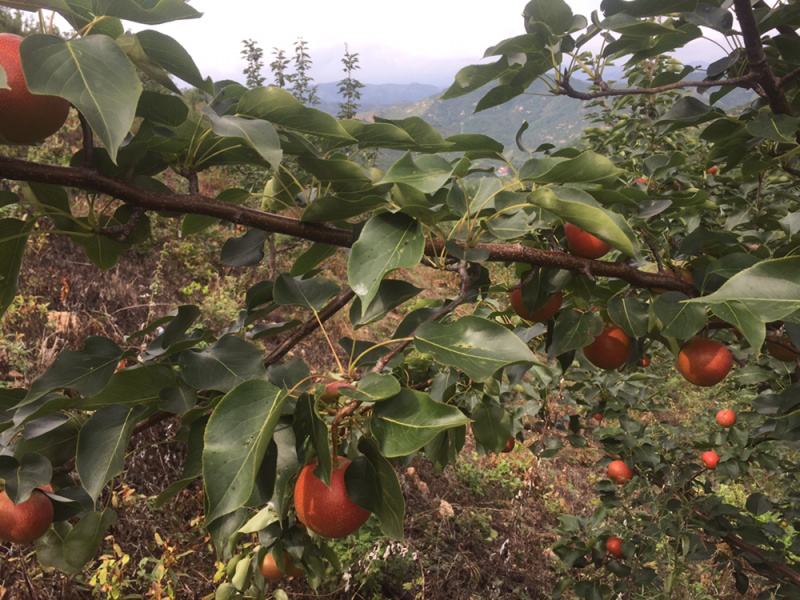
(236, 439)
(770, 290)
(279, 107)
(738, 315)
(373, 387)
(161, 108)
(387, 242)
(258, 134)
(556, 14)
(141, 384)
(778, 128)
(579, 208)
(308, 426)
(425, 136)
(491, 426)
(587, 167)
(378, 135)
(102, 443)
(573, 330)
(341, 206)
(149, 12)
(391, 293)
(630, 314)
(81, 543)
(405, 423)
(477, 346)
(223, 365)
(172, 57)
(678, 318)
(245, 251)
(13, 239)
(426, 173)
(311, 293)
(286, 465)
(309, 259)
(86, 371)
(91, 72)
(22, 477)
(387, 502)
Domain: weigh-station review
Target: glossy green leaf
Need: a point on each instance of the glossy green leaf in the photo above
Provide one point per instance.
(477, 346)
(291, 375)
(81, 543)
(102, 443)
(405, 423)
(161, 108)
(342, 175)
(23, 476)
(510, 221)
(87, 371)
(245, 251)
(13, 239)
(236, 439)
(309, 427)
(388, 503)
(279, 107)
(425, 136)
(391, 294)
(132, 48)
(573, 330)
(556, 14)
(587, 167)
(426, 173)
(93, 74)
(778, 128)
(630, 314)
(373, 387)
(378, 135)
(150, 12)
(140, 384)
(678, 318)
(311, 293)
(312, 257)
(259, 134)
(387, 242)
(738, 315)
(491, 426)
(223, 365)
(579, 208)
(341, 206)
(172, 57)
(770, 290)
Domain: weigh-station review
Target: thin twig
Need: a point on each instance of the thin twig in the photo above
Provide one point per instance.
(122, 232)
(310, 326)
(649, 241)
(469, 275)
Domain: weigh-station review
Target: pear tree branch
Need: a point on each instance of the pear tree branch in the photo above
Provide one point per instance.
(200, 204)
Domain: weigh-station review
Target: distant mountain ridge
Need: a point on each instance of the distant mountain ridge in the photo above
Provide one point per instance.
(552, 119)
(376, 95)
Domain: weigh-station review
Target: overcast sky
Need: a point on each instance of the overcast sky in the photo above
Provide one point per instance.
(398, 41)
(424, 41)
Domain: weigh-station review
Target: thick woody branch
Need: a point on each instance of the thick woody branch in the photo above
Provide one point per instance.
(757, 58)
(605, 91)
(784, 571)
(200, 204)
